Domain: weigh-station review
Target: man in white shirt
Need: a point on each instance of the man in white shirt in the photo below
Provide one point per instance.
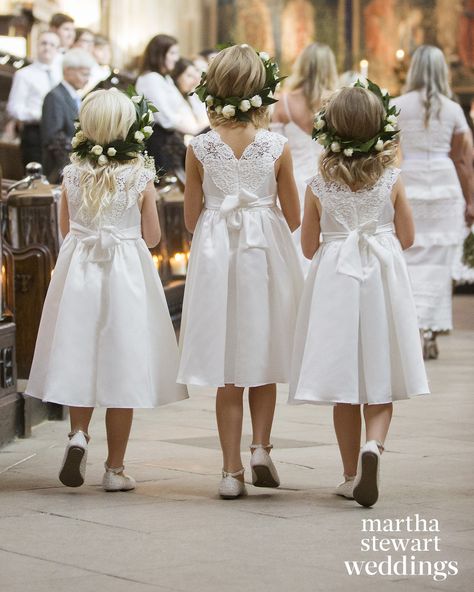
(30, 86)
(60, 109)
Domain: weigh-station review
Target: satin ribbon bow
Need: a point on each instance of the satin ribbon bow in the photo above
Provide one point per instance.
(231, 211)
(350, 262)
(103, 240)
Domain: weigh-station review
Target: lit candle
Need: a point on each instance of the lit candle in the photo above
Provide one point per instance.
(364, 68)
(178, 264)
(399, 54)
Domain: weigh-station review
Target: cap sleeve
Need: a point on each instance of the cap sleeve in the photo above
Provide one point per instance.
(143, 178)
(277, 143)
(317, 185)
(460, 123)
(197, 144)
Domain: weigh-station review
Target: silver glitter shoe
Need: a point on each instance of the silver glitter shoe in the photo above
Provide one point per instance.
(264, 473)
(73, 469)
(366, 483)
(117, 480)
(345, 489)
(230, 487)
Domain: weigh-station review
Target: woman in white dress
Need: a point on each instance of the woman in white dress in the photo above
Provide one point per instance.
(106, 337)
(356, 339)
(244, 280)
(172, 122)
(314, 76)
(435, 140)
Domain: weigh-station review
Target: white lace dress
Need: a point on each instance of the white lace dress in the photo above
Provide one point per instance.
(437, 202)
(356, 336)
(106, 338)
(244, 279)
(305, 153)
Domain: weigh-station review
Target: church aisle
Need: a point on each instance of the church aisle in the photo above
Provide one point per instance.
(174, 534)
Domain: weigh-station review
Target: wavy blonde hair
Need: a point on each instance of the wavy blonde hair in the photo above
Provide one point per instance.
(315, 73)
(356, 114)
(237, 71)
(105, 116)
(429, 71)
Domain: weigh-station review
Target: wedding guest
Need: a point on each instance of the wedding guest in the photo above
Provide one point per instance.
(186, 77)
(437, 170)
(60, 109)
(313, 77)
(101, 69)
(29, 88)
(204, 58)
(63, 26)
(166, 145)
(84, 39)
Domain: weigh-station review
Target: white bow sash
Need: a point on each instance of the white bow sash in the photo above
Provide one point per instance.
(349, 262)
(232, 209)
(103, 240)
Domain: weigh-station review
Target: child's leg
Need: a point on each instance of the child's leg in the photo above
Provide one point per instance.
(377, 421)
(229, 412)
(118, 423)
(262, 400)
(80, 418)
(347, 424)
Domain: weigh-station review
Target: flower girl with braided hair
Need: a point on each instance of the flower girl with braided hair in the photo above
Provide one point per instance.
(357, 340)
(244, 278)
(105, 337)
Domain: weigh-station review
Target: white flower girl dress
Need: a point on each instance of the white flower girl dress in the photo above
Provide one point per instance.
(106, 337)
(244, 279)
(357, 337)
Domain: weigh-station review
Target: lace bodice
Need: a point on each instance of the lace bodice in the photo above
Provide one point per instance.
(345, 210)
(434, 141)
(254, 171)
(123, 210)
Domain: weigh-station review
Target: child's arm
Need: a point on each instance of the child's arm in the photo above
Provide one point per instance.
(63, 213)
(151, 230)
(404, 225)
(287, 191)
(192, 190)
(311, 227)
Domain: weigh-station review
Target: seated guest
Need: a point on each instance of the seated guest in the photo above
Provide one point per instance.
(186, 77)
(101, 70)
(60, 109)
(204, 58)
(84, 40)
(30, 86)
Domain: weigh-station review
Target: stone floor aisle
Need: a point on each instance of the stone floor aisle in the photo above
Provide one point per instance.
(174, 534)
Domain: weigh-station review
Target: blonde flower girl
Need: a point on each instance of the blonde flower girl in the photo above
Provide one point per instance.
(357, 340)
(244, 279)
(106, 338)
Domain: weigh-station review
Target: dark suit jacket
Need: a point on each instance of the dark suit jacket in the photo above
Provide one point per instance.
(57, 129)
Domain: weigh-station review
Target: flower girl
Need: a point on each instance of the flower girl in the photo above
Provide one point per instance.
(244, 278)
(357, 340)
(106, 338)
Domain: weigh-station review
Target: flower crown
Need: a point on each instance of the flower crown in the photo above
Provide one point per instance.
(119, 150)
(239, 107)
(332, 141)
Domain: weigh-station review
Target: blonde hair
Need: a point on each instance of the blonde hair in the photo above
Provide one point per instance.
(105, 116)
(356, 114)
(314, 72)
(429, 71)
(237, 71)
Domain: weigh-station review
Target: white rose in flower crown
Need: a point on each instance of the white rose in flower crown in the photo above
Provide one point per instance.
(111, 151)
(148, 130)
(139, 136)
(335, 147)
(264, 56)
(244, 105)
(81, 136)
(322, 139)
(379, 145)
(77, 125)
(392, 119)
(97, 150)
(218, 109)
(75, 142)
(389, 128)
(209, 100)
(137, 99)
(256, 101)
(348, 151)
(103, 160)
(228, 111)
(319, 124)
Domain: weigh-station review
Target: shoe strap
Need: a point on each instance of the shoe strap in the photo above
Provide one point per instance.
(116, 470)
(255, 446)
(236, 474)
(85, 434)
(348, 477)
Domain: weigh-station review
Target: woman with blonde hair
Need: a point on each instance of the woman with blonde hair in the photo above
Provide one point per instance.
(106, 338)
(313, 77)
(436, 145)
(244, 281)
